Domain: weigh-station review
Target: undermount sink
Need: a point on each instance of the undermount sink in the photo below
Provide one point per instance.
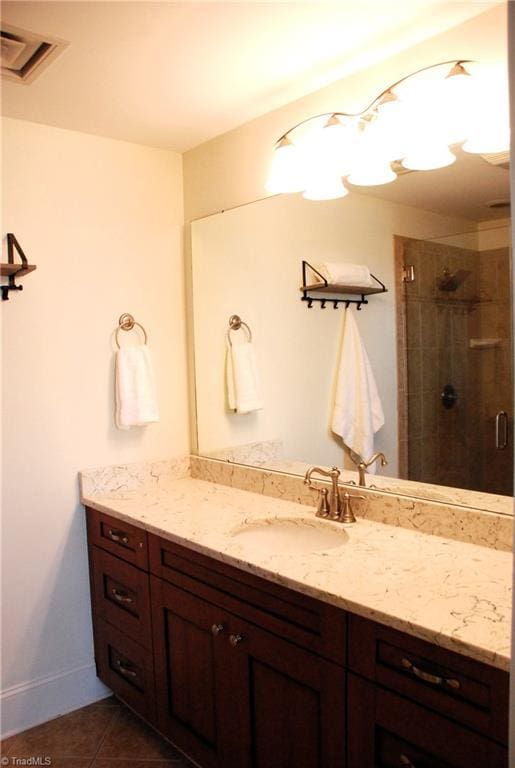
(289, 535)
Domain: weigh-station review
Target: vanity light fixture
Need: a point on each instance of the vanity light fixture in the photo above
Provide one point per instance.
(415, 122)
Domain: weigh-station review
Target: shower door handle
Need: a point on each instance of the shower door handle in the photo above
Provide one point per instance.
(501, 430)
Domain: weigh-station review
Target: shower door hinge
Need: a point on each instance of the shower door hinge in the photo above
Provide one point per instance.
(408, 273)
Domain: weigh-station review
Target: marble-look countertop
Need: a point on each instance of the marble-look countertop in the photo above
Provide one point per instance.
(453, 594)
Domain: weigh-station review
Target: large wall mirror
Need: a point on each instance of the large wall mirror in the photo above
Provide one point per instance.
(448, 326)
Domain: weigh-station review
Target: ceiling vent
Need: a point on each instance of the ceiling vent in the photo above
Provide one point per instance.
(24, 55)
(499, 159)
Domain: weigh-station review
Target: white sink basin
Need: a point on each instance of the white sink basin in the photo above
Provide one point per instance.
(289, 535)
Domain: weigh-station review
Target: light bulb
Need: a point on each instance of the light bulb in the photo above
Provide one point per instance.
(286, 172)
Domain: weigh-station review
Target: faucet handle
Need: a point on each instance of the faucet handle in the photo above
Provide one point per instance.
(323, 503)
(347, 515)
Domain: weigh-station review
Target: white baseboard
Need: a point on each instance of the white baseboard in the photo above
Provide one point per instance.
(29, 704)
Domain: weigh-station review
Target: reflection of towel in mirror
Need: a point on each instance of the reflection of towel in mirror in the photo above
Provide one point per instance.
(346, 274)
(136, 403)
(242, 381)
(358, 412)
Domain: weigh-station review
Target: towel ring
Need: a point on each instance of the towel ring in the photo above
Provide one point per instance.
(126, 322)
(235, 323)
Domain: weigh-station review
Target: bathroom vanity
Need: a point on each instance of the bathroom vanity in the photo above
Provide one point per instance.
(240, 662)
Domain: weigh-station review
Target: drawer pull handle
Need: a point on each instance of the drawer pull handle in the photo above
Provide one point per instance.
(235, 639)
(120, 597)
(118, 536)
(407, 762)
(427, 677)
(216, 629)
(125, 670)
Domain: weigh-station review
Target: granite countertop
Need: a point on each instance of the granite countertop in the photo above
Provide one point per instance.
(454, 594)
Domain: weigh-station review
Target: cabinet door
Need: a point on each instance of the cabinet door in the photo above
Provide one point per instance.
(387, 731)
(231, 694)
(187, 631)
(286, 705)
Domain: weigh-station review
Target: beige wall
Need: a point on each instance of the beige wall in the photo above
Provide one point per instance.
(102, 220)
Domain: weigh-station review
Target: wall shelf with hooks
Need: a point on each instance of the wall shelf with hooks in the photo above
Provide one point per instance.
(12, 269)
(323, 286)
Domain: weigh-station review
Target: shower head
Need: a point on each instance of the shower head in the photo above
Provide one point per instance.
(452, 280)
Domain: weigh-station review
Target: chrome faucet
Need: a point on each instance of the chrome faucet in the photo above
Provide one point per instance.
(364, 465)
(331, 507)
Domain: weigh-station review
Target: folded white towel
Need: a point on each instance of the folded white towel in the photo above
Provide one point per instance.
(136, 402)
(358, 412)
(346, 274)
(242, 380)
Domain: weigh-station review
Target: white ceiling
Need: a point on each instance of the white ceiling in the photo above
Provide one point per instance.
(174, 75)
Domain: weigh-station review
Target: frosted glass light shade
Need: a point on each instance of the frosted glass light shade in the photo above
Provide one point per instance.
(456, 99)
(329, 188)
(496, 140)
(330, 147)
(372, 174)
(490, 117)
(286, 172)
(427, 158)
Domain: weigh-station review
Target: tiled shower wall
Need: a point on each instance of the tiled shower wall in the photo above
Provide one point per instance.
(456, 446)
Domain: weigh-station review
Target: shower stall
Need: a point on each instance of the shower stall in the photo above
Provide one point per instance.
(456, 392)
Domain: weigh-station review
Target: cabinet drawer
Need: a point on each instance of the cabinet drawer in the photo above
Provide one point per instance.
(126, 668)
(460, 688)
(121, 596)
(303, 620)
(387, 731)
(120, 538)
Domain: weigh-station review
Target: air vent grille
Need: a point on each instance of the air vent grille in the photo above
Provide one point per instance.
(24, 54)
(500, 159)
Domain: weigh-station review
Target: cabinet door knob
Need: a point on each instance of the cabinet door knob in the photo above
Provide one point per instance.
(216, 629)
(235, 639)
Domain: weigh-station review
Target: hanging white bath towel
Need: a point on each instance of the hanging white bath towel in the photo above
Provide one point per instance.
(136, 402)
(243, 394)
(358, 413)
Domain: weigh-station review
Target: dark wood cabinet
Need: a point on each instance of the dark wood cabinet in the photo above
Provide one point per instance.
(230, 693)
(461, 689)
(239, 672)
(386, 730)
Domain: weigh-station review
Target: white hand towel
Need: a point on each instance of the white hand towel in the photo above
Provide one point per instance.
(242, 379)
(136, 402)
(358, 412)
(346, 274)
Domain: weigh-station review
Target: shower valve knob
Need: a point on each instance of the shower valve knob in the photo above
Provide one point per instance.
(449, 396)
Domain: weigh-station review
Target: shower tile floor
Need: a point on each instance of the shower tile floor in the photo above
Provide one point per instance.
(102, 735)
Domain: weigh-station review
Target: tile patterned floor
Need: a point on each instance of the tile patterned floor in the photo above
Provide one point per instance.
(102, 735)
